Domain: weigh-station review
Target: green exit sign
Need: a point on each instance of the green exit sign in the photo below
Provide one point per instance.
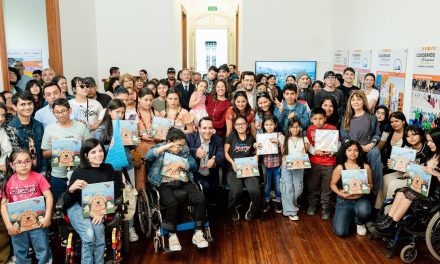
(212, 8)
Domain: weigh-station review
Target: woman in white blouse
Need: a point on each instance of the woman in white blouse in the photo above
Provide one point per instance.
(370, 91)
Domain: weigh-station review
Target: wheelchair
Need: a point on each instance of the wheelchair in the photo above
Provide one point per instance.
(116, 234)
(152, 208)
(422, 222)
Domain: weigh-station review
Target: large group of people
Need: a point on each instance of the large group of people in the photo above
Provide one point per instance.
(216, 120)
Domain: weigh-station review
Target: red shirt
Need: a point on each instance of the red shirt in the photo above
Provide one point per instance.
(321, 160)
(32, 187)
(216, 111)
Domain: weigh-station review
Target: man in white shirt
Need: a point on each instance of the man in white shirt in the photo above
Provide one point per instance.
(249, 83)
(51, 92)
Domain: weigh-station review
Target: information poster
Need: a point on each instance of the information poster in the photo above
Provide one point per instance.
(340, 60)
(425, 97)
(31, 58)
(360, 61)
(390, 77)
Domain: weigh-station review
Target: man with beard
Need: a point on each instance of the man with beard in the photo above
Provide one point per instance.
(304, 91)
(248, 79)
(171, 76)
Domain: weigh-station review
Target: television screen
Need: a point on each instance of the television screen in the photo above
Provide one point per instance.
(282, 69)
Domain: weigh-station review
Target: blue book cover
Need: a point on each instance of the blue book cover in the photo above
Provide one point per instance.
(401, 157)
(355, 181)
(419, 181)
(247, 167)
(129, 132)
(169, 168)
(296, 162)
(98, 199)
(160, 127)
(65, 153)
(27, 214)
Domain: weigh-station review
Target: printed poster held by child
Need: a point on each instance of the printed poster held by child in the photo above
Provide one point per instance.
(65, 153)
(129, 131)
(160, 127)
(296, 162)
(265, 145)
(355, 181)
(326, 140)
(401, 157)
(27, 214)
(172, 169)
(98, 199)
(419, 181)
(247, 167)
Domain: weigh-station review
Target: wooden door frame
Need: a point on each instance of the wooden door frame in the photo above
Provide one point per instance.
(54, 41)
(236, 37)
(184, 38)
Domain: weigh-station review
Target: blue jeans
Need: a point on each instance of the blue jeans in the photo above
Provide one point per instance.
(345, 210)
(92, 236)
(275, 174)
(291, 185)
(58, 186)
(375, 161)
(40, 242)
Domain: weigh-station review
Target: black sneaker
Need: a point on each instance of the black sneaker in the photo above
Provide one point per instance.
(278, 207)
(311, 210)
(249, 214)
(235, 215)
(266, 207)
(326, 214)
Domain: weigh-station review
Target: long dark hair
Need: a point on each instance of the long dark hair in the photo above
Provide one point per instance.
(417, 131)
(271, 107)
(334, 118)
(86, 147)
(107, 120)
(342, 157)
(9, 171)
(401, 117)
(435, 135)
(29, 85)
(269, 118)
(384, 126)
(291, 122)
(247, 109)
(241, 117)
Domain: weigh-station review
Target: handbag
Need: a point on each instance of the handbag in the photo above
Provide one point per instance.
(129, 194)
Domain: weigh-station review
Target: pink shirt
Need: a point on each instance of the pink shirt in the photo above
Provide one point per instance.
(33, 186)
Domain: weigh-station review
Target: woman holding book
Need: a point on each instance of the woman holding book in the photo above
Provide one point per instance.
(176, 175)
(216, 105)
(183, 120)
(352, 201)
(405, 196)
(92, 169)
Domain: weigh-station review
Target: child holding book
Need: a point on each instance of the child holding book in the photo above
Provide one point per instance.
(323, 163)
(348, 205)
(272, 163)
(22, 184)
(176, 145)
(92, 169)
(197, 102)
(291, 183)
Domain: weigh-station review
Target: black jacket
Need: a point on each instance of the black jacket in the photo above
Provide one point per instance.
(184, 95)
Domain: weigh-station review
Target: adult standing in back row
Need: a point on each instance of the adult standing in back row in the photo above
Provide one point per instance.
(347, 87)
(185, 88)
(329, 89)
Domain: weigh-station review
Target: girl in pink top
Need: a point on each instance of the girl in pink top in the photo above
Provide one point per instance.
(197, 102)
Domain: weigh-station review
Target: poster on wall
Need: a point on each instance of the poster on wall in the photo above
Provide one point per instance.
(360, 61)
(340, 60)
(390, 77)
(282, 69)
(425, 97)
(31, 58)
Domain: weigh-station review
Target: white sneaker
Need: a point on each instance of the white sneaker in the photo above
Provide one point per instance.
(361, 230)
(199, 240)
(294, 217)
(133, 236)
(174, 243)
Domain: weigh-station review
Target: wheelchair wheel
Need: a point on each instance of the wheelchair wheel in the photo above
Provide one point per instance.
(433, 236)
(408, 253)
(144, 213)
(156, 244)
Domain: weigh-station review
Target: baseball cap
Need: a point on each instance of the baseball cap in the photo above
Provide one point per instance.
(89, 81)
(171, 70)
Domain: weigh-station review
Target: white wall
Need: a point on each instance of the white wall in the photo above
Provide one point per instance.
(285, 30)
(378, 24)
(25, 26)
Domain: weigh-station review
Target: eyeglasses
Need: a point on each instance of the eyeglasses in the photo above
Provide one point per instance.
(62, 112)
(178, 146)
(23, 163)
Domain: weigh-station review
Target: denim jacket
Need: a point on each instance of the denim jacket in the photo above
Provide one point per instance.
(300, 111)
(374, 129)
(155, 176)
(23, 140)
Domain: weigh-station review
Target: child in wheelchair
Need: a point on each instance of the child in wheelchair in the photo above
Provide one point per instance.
(91, 170)
(168, 176)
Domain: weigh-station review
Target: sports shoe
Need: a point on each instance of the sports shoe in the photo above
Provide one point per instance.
(174, 243)
(361, 230)
(293, 217)
(235, 215)
(133, 236)
(311, 210)
(278, 207)
(249, 214)
(199, 240)
(266, 207)
(326, 214)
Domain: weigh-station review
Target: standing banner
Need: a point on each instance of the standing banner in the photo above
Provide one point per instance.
(31, 58)
(340, 60)
(360, 61)
(390, 77)
(425, 97)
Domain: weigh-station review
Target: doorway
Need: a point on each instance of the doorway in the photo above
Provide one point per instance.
(211, 48)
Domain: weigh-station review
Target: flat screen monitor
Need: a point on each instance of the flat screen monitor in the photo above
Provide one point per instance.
(282, 69)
